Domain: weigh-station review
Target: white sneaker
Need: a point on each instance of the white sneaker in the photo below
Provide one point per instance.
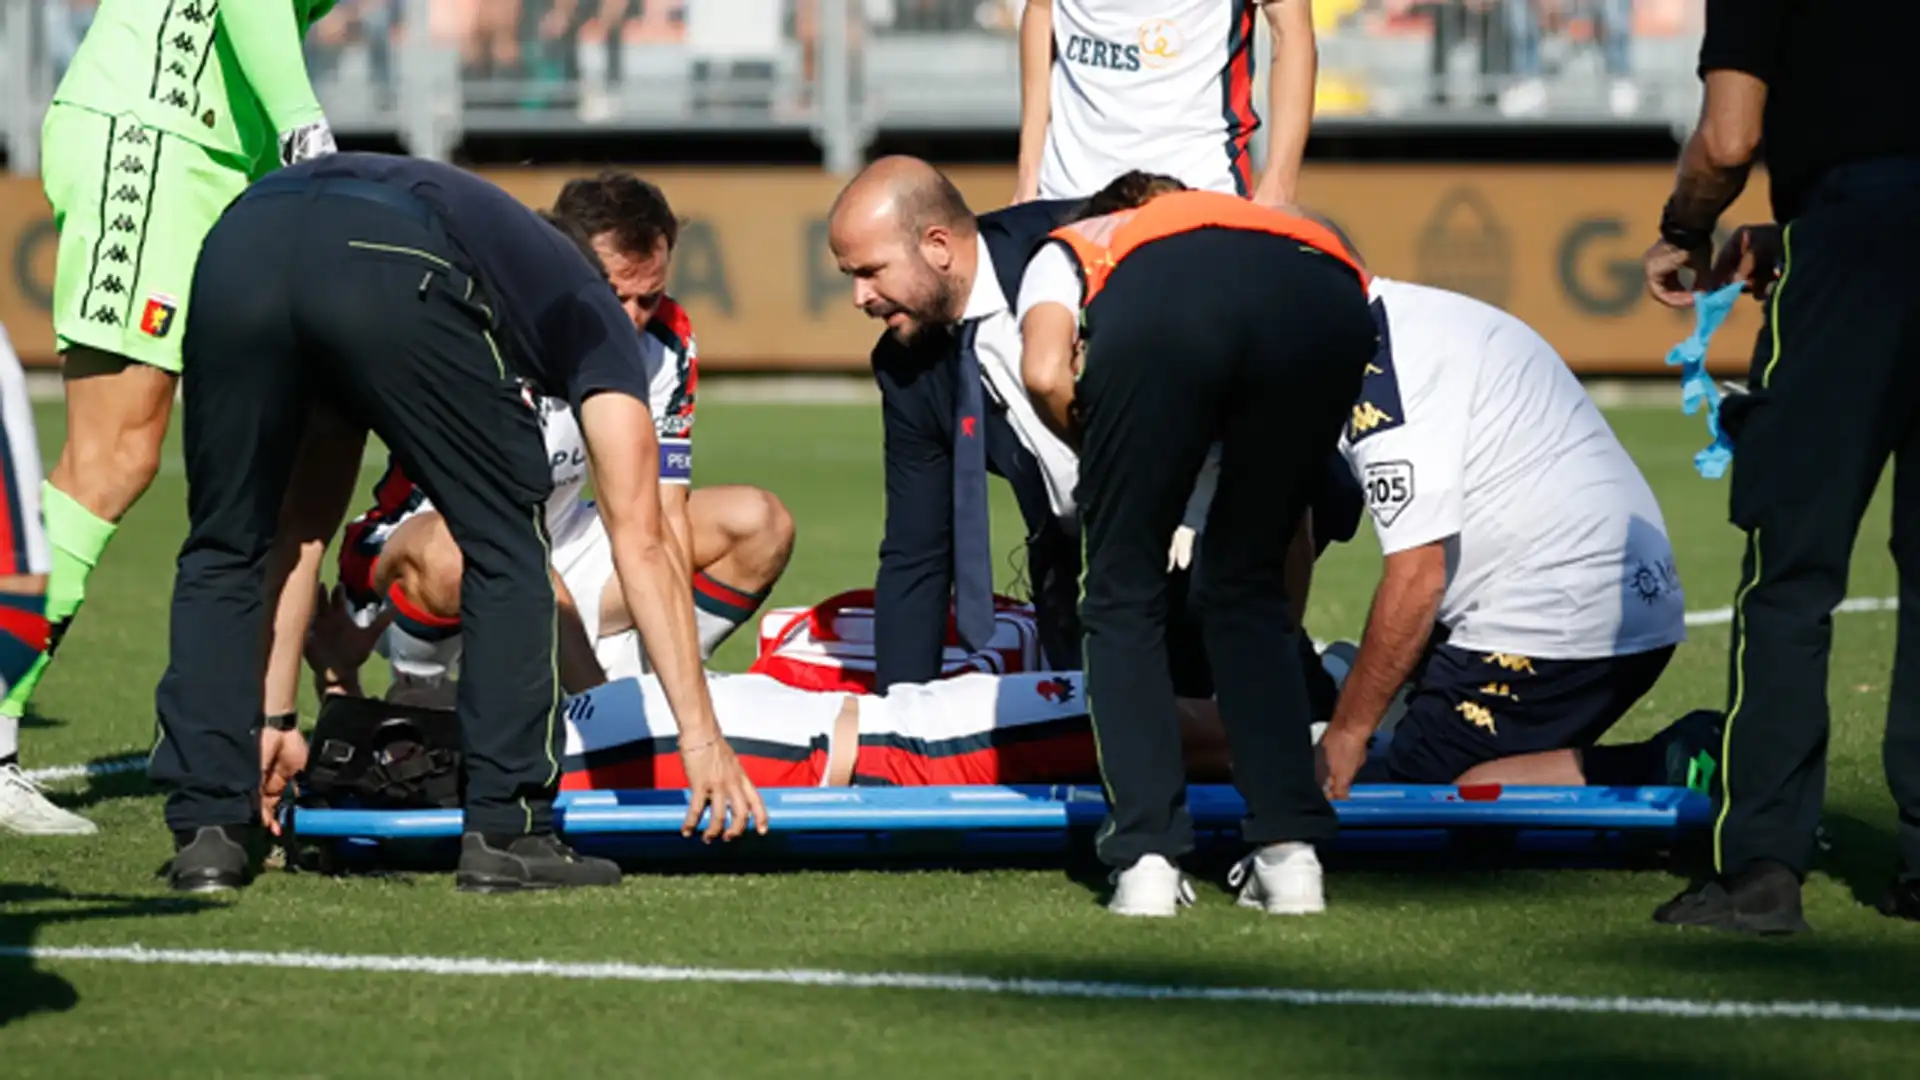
(26, 810)
(1151, 887)
(1282, 879)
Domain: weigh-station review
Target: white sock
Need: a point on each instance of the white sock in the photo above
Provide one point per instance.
(416, 658)
(9, 737)
(713, 629)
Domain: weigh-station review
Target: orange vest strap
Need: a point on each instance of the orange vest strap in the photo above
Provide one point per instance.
(1101, 243)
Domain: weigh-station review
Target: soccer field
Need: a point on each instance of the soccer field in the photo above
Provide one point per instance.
(1487, 974)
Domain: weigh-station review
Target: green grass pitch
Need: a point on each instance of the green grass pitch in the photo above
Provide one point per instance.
(1549, 932)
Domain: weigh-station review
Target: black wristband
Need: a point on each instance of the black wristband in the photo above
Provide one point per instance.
(1682, 236)
(284, 722)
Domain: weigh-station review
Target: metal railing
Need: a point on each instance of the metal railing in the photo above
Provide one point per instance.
(429, 71)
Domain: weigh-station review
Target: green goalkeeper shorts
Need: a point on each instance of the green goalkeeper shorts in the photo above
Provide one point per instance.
(132, 205)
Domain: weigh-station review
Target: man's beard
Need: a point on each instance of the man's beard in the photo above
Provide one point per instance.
(935, 311)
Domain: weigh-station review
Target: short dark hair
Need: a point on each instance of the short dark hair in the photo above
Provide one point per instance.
(575, 233)
(633, 210)
(1128, 191)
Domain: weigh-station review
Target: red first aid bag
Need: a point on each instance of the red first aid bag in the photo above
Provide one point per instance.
(830, 646)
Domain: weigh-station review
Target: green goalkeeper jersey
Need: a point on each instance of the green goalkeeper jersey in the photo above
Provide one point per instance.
(229, 76)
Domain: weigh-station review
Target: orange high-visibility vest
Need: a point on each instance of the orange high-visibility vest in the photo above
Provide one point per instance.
(1101, 243)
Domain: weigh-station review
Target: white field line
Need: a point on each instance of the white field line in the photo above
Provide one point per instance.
(1687, 1008)
(1723, 615)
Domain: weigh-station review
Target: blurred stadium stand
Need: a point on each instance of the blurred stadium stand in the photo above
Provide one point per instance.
(431, 72)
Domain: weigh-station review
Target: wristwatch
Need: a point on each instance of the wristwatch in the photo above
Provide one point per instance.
(289, 721)
(1681, 236)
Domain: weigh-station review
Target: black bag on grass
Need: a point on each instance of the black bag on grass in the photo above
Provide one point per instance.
(375, 755)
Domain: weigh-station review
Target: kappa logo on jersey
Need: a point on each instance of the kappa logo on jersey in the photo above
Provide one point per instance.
(1106, 55)
(1058, 691)
(1378, 408)
(156, 319)
(1161, 43)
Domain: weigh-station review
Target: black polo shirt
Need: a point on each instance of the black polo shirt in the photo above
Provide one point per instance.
(1841, 82)
(563, 327)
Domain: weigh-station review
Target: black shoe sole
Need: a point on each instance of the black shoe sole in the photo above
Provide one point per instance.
(490, 884)
(206, 884)
(1734, 922)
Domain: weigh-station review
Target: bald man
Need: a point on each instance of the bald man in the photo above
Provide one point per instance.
(948, 367)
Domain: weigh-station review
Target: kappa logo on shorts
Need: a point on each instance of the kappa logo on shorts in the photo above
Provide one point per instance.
(1058, 691)
(1476, 714)
(156, 319)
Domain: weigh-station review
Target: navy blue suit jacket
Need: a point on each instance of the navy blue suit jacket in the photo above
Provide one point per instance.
(915, 582)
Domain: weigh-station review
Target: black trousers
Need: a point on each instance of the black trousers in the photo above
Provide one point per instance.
(325, 293)
(1247, 338)
(1835, 387)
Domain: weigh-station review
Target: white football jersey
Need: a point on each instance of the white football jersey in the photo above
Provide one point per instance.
(1470, 430)
(1163, 85)
(673, 374)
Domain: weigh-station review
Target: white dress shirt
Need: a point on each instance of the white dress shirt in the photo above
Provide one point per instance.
(997, 343)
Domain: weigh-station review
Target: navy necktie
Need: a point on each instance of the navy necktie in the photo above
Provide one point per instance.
(972, 531)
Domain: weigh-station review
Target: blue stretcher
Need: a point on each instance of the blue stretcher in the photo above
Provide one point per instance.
(1031, 820)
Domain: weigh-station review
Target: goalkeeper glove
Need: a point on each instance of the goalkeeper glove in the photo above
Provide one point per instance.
(306, 142)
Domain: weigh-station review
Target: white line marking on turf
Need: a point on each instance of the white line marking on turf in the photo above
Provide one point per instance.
(1723, 615)
(109, 767)
(973, 984)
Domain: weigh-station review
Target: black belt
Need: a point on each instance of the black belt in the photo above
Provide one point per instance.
(350, 187)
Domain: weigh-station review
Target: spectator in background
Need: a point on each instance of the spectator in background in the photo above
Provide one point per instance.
(1107, 86)
(1612, 27)
(1456, 20)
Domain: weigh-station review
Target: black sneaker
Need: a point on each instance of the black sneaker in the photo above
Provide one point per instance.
(1902, 901)
(491, 864)
(1691, 749)
(213, 858)
(1762, 900)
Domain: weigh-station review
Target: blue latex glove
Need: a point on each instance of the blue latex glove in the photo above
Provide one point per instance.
(1697, 388)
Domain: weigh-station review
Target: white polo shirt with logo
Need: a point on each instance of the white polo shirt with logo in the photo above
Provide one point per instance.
(1472, 432)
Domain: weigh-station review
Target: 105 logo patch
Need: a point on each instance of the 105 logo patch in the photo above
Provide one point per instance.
(1389, 489)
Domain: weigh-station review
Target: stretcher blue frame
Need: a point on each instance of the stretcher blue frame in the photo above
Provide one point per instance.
(1037, 819)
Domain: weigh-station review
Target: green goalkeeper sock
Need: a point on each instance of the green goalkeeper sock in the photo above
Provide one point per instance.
(77, 538)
